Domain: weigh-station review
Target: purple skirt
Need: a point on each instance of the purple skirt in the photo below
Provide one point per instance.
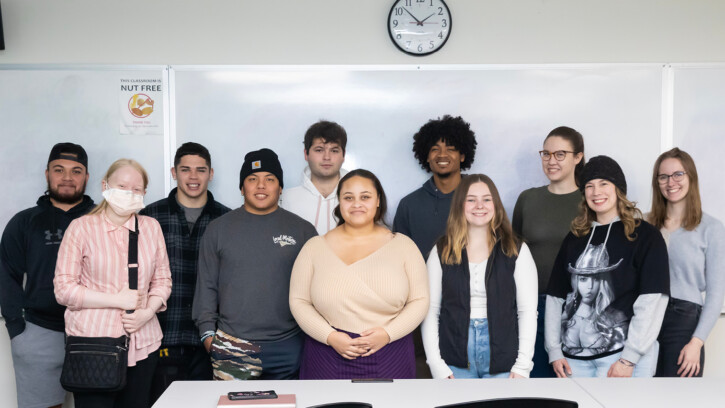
(321, 362)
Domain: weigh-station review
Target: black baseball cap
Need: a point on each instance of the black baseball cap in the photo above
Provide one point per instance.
(69, 151)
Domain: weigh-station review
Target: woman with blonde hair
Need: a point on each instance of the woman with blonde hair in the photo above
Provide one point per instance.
(696, 246)
(481, 322)
(92, 280)
(609, 285)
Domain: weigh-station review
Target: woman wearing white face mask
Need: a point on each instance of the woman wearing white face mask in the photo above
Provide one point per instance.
(92, 280)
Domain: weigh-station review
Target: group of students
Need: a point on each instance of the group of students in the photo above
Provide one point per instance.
(312, 284)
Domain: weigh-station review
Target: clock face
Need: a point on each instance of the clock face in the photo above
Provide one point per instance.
(419, 27)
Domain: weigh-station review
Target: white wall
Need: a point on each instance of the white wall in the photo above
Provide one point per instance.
(347, 32)
(354, 32)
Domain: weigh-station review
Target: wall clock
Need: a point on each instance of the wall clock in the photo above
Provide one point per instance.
(419, 27)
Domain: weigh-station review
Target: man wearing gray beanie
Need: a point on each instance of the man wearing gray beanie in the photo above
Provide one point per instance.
(241, 303)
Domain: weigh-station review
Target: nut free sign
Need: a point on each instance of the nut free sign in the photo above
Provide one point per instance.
(141, 106)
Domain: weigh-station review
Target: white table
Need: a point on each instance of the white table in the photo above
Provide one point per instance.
(399, 394)
(656, 392)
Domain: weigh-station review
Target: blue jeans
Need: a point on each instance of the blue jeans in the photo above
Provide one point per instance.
(479, 353)
(599, 367)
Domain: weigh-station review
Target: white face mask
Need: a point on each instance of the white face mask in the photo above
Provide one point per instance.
(123, 202)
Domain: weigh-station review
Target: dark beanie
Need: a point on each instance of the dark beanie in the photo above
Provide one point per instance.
(69, 151)
(261, 160)
(603, 167)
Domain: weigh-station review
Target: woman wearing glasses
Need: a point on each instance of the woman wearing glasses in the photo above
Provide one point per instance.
(542, 217)
(696, 245)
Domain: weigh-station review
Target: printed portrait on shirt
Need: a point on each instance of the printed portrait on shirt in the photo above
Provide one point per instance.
(590, 326)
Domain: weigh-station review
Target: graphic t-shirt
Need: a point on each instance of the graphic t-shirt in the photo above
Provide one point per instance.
(600, 277)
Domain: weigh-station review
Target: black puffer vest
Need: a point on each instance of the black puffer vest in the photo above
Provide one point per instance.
(503, 328)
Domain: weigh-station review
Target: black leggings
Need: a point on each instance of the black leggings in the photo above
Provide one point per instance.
(678, 325)
(134, 395)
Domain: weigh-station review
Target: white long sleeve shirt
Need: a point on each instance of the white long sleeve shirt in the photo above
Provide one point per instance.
(526, 281)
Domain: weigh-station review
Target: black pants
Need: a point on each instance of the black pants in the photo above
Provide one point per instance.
(134, 395)
(179, 363)
(542, 368)
(678, 325)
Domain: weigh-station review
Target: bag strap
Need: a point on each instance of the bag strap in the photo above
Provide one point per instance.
(133, 258)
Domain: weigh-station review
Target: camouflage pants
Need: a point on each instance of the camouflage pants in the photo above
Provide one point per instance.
(233, 358)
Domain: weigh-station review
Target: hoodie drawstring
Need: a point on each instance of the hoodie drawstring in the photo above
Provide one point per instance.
(594, 226)
(317, 216)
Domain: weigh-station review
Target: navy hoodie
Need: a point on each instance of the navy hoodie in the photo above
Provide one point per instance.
(422, 216)
(29, 247)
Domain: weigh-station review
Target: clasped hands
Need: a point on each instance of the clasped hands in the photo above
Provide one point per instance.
(369, 342)
(128, 299)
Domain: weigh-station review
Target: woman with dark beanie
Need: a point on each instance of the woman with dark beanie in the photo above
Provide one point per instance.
(696, 246)
(542, 217)
(609, 286)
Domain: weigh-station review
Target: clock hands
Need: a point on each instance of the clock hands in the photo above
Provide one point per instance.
(418, 35)
(423, 20)
(417, 22)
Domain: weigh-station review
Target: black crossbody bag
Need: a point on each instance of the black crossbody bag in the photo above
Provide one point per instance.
(99, 364)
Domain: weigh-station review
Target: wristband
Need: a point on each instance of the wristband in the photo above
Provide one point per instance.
(207, 334)
(626, 363)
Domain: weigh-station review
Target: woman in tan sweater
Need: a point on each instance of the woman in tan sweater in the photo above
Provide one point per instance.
(359, 291)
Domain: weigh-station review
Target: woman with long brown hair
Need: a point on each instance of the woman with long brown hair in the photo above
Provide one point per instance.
(696, 246)
(609, 285)
(543, 215)
(481, 322)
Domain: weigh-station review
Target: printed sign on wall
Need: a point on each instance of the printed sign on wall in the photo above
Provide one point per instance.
(141, 107)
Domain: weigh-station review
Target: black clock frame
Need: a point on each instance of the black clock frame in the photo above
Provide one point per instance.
(392, 38)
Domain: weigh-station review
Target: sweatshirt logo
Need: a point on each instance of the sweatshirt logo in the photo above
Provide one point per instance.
(284, 240)
(49, 236)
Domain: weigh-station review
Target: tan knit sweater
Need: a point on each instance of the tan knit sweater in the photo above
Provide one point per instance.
(388, 289)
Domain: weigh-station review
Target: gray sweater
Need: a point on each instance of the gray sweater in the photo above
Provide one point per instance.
(697, 265)
(245, 264)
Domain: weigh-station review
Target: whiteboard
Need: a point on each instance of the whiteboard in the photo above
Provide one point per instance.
(699, 128)
(43, 105)
(233, 110)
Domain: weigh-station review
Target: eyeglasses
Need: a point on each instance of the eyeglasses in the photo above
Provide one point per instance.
(559, 155)
(665, 178)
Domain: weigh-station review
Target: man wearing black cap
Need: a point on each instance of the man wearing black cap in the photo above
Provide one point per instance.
(28, 250)
(241, 303)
